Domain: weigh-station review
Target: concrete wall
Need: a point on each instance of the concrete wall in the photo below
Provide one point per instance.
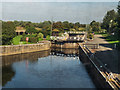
(93, 70)
(18, 49)
(65, 45)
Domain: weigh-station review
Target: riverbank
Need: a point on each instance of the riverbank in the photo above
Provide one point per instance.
(18, 49)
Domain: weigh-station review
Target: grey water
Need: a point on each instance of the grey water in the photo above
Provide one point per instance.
(46, 69)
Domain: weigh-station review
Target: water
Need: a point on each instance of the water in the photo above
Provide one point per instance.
(45, 69)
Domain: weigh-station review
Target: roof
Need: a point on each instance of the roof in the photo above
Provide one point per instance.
(39, 29)
(20, 29)
(55, 30)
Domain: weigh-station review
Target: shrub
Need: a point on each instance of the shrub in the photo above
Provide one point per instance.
(40, 35)
(40, 39)
(90, 36)
(33, 39)
(48, 37)
(23, 38)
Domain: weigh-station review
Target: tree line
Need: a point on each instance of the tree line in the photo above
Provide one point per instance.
(109, 25)
(9, 27)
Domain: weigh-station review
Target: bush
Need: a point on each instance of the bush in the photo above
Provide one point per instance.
(40, 35)
(40, 39)
(33, 39)
(48, 37)
(23, 38)
(90, 36)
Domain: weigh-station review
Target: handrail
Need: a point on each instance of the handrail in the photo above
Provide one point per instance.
(115, 86)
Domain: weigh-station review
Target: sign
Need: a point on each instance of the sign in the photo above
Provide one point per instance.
(27, 38)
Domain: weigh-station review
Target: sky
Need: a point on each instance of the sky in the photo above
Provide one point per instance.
(59, 0)
(83, 12)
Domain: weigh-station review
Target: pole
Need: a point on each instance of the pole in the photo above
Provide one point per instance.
(51, 26)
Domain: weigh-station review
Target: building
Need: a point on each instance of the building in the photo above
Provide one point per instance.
(20, 30)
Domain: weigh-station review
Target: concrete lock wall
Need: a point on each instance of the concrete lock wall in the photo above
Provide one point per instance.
(18, 49)
(65, 45)
(94, 73)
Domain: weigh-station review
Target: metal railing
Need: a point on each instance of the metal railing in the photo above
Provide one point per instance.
(107, 74)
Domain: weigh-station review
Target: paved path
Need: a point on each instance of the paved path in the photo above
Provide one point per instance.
(104, 45)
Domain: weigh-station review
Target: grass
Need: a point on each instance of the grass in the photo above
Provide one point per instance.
(16, 40)
(112, 39)
(24, 42)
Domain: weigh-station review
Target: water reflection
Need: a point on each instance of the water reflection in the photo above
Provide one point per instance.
(7, 60)
(7, 74)
(45, 70)
(65, 52)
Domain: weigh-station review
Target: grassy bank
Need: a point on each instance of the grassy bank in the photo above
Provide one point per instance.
(16, 40)
(112, 39)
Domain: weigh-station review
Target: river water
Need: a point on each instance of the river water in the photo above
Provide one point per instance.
(47, 69)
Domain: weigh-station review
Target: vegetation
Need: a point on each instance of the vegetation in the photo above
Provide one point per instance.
(38, 31)
(16, 40)
(35, 31)
(109, 28)
(8, 32)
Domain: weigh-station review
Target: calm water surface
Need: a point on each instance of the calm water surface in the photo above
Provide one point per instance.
(60, 69)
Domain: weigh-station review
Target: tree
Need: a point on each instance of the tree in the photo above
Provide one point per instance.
(76, 25)
(118, 19)
(95, 26)
(31, 30)
(111, 15)
(8, 32)
(58, 25)
(40, 35)
(66, 25)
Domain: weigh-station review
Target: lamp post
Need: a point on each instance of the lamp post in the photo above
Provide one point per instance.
(110, 24)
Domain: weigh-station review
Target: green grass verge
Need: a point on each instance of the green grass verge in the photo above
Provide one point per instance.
(24, 42)
(112, 39)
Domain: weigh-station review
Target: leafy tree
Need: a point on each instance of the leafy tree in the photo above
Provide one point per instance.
(95, 26)
(48, 37)
(31, 30)
(111, 15)
(66, 25)
(118, 19)
(8, 32)
(71, 25)
(40, 35)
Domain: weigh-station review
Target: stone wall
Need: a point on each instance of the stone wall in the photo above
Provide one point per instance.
(18, 49)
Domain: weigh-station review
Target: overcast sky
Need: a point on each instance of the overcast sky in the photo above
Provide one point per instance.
(59, 0)
(83, 12)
